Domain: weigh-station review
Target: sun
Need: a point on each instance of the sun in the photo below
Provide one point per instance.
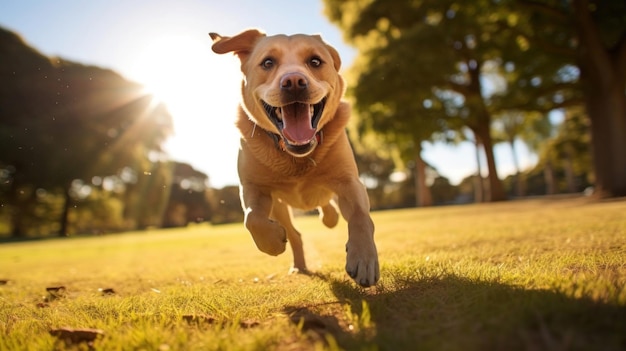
(201, 91)
(172, 68)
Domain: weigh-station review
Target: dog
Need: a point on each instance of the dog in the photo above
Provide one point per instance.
(295, 151)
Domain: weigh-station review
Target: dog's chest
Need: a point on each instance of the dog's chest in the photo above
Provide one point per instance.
(303, 196)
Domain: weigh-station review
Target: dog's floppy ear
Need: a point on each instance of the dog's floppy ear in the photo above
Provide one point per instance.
(241, 44)
(333, 52)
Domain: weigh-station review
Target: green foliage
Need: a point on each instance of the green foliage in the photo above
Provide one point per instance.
(429, 68)
(588, 39)
(424, 67)
(564, 159)
(535, 274)
(101, 212)
(573, 141)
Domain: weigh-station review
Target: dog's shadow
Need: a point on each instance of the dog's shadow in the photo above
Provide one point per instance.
(455, 313)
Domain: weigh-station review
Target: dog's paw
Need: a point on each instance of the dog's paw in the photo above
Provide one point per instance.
(362, 264)
(329, 215)
(271, 238)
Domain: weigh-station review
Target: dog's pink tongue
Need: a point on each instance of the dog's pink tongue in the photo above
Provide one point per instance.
(297, 123)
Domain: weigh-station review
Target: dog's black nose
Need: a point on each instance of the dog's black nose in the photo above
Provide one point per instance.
(294, 82)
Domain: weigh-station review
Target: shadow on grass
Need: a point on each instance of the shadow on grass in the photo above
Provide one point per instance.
(454, 313)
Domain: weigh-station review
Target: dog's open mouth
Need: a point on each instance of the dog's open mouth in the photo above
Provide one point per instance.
(297, 123)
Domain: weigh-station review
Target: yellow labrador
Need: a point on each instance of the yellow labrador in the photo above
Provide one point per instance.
(294, 148)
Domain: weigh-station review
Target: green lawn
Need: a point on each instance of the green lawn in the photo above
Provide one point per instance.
(540, 274)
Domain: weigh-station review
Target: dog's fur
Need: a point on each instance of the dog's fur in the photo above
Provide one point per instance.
(294, 148)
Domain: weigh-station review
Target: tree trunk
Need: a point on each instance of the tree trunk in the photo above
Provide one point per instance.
(16, 221)
(67, 201)
(603, 75)
(423, 197)
(482, 131)
(479, 189)
(496, 190)
(548, 176)
(517, 178)
(568, 168)
(17, 210)
(608, 141)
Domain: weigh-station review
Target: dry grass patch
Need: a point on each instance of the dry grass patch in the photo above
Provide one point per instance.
(542, 274)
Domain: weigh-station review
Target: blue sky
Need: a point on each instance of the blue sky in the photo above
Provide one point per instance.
(104, 32)
(165, 45)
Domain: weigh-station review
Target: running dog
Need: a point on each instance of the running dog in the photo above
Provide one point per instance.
(294, 147)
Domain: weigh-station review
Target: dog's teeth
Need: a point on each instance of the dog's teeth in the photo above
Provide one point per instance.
(311, 109)
(279, 112)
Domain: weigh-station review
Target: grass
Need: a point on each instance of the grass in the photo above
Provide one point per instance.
(540, 274)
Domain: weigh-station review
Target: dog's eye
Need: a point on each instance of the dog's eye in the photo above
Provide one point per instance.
(267, 63)
(315, 61)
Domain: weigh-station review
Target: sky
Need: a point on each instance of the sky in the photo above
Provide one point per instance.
(164, 45)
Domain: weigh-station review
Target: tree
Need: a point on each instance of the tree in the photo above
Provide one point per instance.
(375, 168)
(422, 67)
(190, 197)
(571, 150)
(587, 37)
(535, 137)
(61, 121)
(227, 206)
(532, 128)
(392, 118)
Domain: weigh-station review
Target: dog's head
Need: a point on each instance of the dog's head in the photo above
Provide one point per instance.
(291, 85)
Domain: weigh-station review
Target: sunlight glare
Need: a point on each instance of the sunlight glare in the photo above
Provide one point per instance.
(201, 91)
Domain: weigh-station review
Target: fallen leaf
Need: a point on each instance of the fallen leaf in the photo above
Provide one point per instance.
(4, 281)
(56, 292)
(55, 289)
(199, 318)
(107, 291)
(76, 336)
(247, 324)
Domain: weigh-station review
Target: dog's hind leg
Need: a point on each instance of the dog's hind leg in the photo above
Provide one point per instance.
(329, 214)
(281, 212)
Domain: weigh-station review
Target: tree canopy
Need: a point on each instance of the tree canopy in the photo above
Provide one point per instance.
(429, 68)
(422, 67)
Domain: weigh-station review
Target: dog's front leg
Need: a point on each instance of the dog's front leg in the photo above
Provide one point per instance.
(361, 254)
(269, 236)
